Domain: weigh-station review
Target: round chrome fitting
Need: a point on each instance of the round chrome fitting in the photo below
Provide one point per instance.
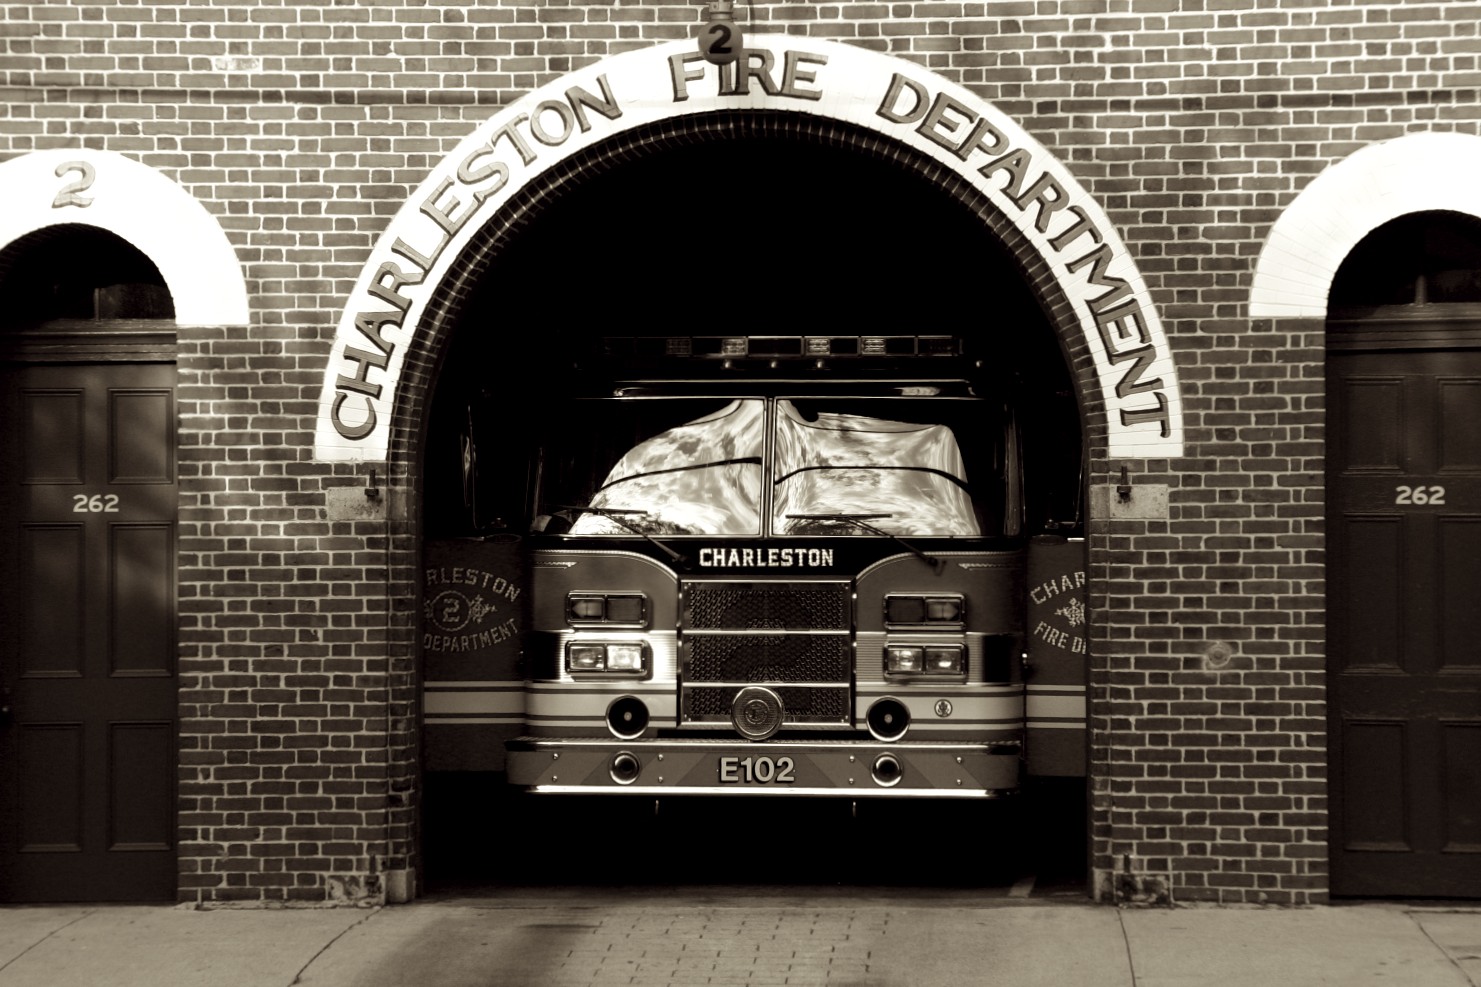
(756, 713)
(625, 767)
(888, 719)
(887, 770)
(627, 717)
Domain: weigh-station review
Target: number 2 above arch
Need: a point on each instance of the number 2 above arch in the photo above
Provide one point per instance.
(71, 193)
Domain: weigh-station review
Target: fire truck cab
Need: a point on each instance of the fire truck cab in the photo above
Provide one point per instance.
(756, 578)
(829, 566)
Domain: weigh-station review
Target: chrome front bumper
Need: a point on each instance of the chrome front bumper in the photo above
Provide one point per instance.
(840, 768)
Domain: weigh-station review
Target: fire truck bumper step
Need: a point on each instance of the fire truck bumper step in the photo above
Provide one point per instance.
(849, 769)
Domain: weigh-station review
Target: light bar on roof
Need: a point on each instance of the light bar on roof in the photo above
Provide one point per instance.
(779, 347)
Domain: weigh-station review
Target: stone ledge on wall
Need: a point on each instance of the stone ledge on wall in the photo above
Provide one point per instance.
(1137, 501)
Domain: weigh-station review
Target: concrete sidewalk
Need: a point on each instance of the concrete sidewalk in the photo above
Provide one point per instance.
(653, 937)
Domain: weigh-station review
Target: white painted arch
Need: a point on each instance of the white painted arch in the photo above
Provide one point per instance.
(160, 219)
(1418, 172)
(880, 93)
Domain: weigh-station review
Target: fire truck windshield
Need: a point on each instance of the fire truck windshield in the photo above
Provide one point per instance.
(699, 478)
(910, 476)
(777, 467)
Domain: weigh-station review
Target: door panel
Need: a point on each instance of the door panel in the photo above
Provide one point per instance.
(1404, 621)
(142, 606)
(52, 559)
(87, 546)
(51, 787)
(1460, 412)
(51, 435)
(142, 764)
(1458, 577)
(1375, 776)
(1462, 766)
(1374, 603)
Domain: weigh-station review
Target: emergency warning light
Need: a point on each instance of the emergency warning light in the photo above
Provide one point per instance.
(628, 609)
(924, 611)
(767, 348)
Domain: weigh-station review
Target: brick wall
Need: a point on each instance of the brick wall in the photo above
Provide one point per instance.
(1207, 662)
(303, 128)
(295, 691)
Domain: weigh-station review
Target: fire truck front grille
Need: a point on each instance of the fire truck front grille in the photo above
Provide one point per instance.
(792, 637)
(769, 658)
(767, 606)
(799, 705)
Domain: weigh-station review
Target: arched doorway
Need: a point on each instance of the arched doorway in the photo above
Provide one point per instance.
(617, 260)
(87, 590)
(102, 260)
(1380, 253)
(394, 337)
(1404, 528)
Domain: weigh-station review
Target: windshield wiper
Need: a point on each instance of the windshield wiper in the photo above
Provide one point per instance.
(616, 514)
(862, 521)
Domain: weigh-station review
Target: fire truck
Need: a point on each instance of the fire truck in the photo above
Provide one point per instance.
(836, 566)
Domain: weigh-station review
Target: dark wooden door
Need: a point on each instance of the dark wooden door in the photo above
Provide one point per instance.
(1404, 617)
(87, 632)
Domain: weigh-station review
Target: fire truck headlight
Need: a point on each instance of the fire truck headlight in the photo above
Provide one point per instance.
(904, 660)
(944, 661)
(586, 658)
(909, 660)
(625, 658)
(615, 658)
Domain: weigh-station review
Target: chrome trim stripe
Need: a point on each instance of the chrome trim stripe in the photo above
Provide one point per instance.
(943, 690)
(545, 705)
(1010, 559)
(1055, 707)
(924, 698)
(958, 722)
(769, 684)
(770, 747)
(597, 687)
(452, 721)
(563, 556)
(965, 706)
(455, 703)
(765, 632)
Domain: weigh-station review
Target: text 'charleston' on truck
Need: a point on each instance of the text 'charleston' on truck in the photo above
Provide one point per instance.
(831, 566)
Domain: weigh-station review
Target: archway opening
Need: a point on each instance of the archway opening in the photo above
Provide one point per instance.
(1421, 259)
(88, 513)
(753, 232)
(77, 273)
(1403, 465)
(771, 233)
